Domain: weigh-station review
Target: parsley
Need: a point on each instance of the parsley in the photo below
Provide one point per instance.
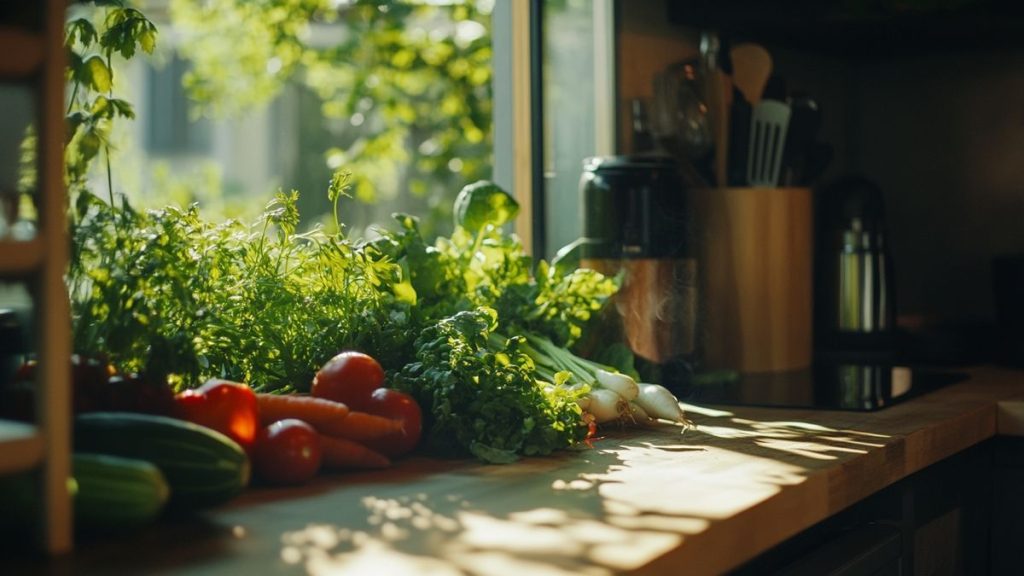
(484, 399)
(167, 292)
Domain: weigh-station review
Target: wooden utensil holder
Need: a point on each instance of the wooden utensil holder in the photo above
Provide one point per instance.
(756, 246)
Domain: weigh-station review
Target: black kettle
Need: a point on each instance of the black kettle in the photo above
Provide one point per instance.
(855, 296)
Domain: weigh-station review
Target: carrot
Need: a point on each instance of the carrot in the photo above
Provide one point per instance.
(344, 453)
(363, 427)
(328, 417)
(317, 412)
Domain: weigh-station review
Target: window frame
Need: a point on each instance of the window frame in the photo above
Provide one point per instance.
(519, 121)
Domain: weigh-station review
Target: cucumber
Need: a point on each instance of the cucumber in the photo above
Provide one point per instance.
(202, 466)
(109, 492)
(19, 503)
(116, 492)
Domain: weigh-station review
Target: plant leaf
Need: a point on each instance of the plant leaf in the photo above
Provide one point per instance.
(483, 203)
(98, 74)
(81, 29)
(147, 40)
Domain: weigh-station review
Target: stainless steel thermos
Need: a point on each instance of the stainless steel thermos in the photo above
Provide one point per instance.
(855, 294)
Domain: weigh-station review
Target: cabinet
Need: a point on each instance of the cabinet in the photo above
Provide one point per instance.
(33, 60)
(957, 516)
(1007, 505)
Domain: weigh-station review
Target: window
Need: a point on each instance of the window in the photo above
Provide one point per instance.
(169, 130)
(240, 99)
(578, 106)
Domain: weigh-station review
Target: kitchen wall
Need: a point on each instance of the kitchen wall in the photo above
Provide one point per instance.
(944, 136)
(941, 131)
(645, 43)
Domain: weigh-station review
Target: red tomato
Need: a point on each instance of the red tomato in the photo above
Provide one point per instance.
(227, 407)
(287, 452)
(349, 378)
(400, 406)
(89, 376)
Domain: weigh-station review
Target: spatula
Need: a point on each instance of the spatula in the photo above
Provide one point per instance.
(768, 124)
(739, 139)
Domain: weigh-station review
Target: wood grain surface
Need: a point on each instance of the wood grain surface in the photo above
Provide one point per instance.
(653, 501)
(757, 277)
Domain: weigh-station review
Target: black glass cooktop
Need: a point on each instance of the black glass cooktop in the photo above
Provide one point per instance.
(854, 387)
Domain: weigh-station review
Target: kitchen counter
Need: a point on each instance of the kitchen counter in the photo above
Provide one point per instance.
(656, 500)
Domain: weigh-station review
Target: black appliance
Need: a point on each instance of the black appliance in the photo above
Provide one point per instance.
(637, 222)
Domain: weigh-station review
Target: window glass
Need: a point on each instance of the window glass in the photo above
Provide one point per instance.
(572, 42)
(169, 129)
(18, 155)
(240, 98)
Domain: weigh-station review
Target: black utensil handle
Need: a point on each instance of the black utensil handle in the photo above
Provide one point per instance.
(739, 139)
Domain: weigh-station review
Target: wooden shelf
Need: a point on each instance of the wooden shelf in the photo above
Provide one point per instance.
(18, 258)
(21, 447)
(23, 52)
(32, 45)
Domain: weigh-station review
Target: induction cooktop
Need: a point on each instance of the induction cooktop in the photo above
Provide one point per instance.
(854, 387)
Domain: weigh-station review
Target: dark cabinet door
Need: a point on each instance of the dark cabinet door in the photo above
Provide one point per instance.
(1008, 507)
(871, 550)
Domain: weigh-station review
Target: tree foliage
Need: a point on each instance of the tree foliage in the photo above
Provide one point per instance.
(92, 38)
(404, 87)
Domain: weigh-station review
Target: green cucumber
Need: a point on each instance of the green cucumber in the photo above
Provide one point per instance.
(109, 492)
(19, 503)
(202, 466)
(116, 492)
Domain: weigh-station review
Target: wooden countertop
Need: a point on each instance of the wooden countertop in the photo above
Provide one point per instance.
(640, 501)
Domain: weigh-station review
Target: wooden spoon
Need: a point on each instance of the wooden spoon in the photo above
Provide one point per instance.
(751, 67)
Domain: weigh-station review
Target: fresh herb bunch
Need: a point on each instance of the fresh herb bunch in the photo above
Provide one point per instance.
(484, 399)
(168, 293)
(482, 265)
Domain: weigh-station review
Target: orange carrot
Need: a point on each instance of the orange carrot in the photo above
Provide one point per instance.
(343, 453)
(317, 412)
(363, 427)
(328, 417)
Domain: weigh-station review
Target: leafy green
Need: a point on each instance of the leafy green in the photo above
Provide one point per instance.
(168, 292)
(484, 399)
(490, 269)
(485, 266)
(620, 357)
(484, 203)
